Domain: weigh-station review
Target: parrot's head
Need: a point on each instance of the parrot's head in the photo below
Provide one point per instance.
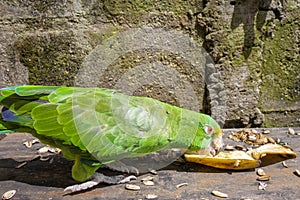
(208, 139)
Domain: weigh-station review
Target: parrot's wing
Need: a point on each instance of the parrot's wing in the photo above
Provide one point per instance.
(130, 127)
(112, 126)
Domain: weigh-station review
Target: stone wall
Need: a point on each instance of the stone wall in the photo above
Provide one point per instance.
(236, 60)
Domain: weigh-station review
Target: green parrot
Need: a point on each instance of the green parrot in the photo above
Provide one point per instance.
(96, 127)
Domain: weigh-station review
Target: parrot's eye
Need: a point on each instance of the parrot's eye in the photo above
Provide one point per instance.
(208, 129)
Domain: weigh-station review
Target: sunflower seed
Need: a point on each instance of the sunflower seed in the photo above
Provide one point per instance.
(181, 185)
(151, 196)
(263, 178)
(21, 165)
(254, 131)
(271, 140)
(147, 178)
(291, 131)
(237, 163)
(219, 194)
(255, 155)
(262, 186)
(284, 164)
(28, 144)
(252, 138)
(43, 150)
(239, 147)
(51, 160)
(153, 172)
(44, 158)
(132, 187)
(148, 183)
(54, 150)
(35, 141)
(260, 172)
(229, 147)
(9, 194)
(297, 172)
(263, 155)
(266, 131)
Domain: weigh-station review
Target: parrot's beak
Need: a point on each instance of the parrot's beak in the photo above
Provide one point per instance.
(212, 149)
(216, 145)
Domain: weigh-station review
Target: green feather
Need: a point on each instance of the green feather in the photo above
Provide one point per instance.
(94, 126)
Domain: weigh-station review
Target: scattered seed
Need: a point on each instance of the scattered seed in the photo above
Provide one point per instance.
(271, 140)
(219, 194)
(249, 148)
(266, 131)
(148, 183)
(28, 144)
(44, 158)
(263, 178)
(237, 163)
(181, 185)
(43, 150)
(252, 138)
(284, 164)
(239, 147)
(261, 172)
(297, 172)
(263, 155)
(147, 178)
(234, 138)
(263, 140)
(132, 187)
(291, 131)
(51, 160)
(21, 165)
(151, 196)
(229, 147)
(254, 131)
(35, 141)
(153, 172)
(54, 150)
(9, 194)
(262, 186)
(278, 141)
(255, 155)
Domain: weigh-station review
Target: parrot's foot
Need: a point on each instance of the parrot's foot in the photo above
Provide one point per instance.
(122, 167)
(98, 178)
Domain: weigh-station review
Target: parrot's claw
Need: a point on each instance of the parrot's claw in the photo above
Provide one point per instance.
(98, 178)
(127, 179)
(80, 187)
(121, 167)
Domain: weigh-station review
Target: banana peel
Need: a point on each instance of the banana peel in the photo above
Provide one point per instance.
(239, 160)
(269, 154)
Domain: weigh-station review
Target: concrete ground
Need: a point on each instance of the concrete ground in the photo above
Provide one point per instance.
(38, 179)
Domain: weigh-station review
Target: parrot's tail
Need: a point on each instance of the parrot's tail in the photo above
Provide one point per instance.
(5, 127)
(16, 103)
(10, 122)
(5, 131)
